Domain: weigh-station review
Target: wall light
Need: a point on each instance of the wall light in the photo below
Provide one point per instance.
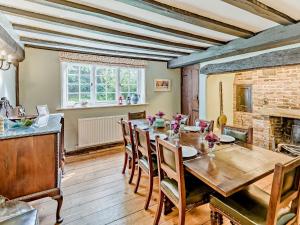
(3, 58)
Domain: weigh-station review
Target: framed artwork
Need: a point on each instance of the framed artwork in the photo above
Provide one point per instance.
(162, 85)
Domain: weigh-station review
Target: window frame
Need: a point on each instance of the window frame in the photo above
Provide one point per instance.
(93, 101)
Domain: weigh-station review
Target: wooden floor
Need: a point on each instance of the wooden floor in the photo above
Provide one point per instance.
(95, 192)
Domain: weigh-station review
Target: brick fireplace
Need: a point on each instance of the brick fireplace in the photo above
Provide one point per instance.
(275, 103)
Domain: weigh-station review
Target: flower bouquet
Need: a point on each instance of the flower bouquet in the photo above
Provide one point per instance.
(151, 120)
(211, 138)
(160, 114)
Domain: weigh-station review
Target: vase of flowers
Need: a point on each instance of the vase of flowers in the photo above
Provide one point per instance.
(203, 126)
(151, 120)
(160, 114)
(211, 138)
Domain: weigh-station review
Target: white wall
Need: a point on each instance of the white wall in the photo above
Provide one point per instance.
(8, 84)
(40, 84)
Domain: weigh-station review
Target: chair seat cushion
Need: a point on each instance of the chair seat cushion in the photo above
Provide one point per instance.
(249, 207)
(129, 148)
(143, 162)
(238, 135)
(196, 191)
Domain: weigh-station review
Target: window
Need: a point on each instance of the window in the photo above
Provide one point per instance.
(100, 85)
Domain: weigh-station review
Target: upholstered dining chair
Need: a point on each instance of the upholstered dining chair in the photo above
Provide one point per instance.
(129, 146)
(137, 115)
(240, 134)
(182, 189)
(147, 161)
(254, 206)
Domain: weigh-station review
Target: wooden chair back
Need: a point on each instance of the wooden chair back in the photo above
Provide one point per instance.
(142, 145)
(137, 115)
(285, 191)
(209, 122)
(127, 133)
(170, 164)
(249, 131)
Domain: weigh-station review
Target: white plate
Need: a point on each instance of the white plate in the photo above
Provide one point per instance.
(143, 127)
(226, 139)
(192, 128)
(188, 151)
(161, 136)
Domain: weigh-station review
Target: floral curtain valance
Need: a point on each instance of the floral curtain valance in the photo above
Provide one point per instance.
(97, 59)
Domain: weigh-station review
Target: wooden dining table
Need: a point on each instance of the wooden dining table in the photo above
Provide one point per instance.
(234, 167)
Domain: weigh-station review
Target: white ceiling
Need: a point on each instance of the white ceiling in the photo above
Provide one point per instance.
(213, 9)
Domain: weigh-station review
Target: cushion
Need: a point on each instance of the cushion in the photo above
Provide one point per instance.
(143, 162)
(238, 135)
(196, 191)
(249, 207)
(128, 148)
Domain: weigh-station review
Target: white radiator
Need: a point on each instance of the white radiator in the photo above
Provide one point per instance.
(99, 130)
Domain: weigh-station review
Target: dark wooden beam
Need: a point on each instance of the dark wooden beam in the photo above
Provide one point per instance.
(97, 29)
(27, 28)
(271, 59)
(100, 13)
(66, 46)
(271, 38)
(262, 10)
(188, 17)
(8, 43)
(61, 48)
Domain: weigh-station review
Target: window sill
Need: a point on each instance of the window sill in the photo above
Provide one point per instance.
(98, 106)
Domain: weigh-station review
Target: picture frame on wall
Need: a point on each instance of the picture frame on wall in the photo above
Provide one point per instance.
(162, 85)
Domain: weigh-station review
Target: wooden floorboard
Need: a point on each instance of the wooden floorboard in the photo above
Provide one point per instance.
(95, 192)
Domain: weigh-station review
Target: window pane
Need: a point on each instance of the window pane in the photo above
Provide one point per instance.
(100, 88)
(72, 79)
(101, 80)
(85, 88)
(73, 97)
(133, 78)
(133, 88)
(73, 88)
(111, 96)
(85, 96)
(125, 95)
(124, 88)
(85, 70)
(85, 79)
(100, 71)
(101, 97)
(73, 69)
(111, 88)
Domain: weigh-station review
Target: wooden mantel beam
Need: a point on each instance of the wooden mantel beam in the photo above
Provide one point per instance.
(270, 59)
(271, 38)
(262, 10)
(100, 13)
(97, 29)
(188, 17)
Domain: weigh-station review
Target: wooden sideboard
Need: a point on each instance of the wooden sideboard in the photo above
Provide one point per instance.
(31, 164)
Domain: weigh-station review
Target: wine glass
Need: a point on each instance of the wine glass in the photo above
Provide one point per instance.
(211, 148)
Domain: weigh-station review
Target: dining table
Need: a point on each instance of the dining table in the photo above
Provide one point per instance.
(234, 165)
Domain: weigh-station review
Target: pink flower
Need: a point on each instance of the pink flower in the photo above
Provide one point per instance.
(178, 117)
(160, 114)
(203, 125)
(211, 137)
(175, 126)
(151, 119)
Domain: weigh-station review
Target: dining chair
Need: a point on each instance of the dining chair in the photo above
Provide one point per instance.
(210, 124)
(254, 206)
(182, 189)
(244, 135)
(147, 161)
(137, 115)
(129, 146)
(42, 110)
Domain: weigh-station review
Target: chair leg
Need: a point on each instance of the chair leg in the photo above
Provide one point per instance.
(130, 160)
(181, 219)
(132, 170)
(159, 207)
(149, 192)
(125, 163)
(59, 200)
(213, 220)
(220, 218)
(138, 179)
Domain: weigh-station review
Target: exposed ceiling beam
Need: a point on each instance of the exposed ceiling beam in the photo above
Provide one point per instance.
(262, 10)
(270, 59)
(271, 38)
(37, 30)
(83, 51)
(97, 29)
(100, 13)
(91, 49)
(188, 17)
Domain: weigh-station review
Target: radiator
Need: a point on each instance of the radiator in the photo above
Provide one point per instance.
(99, 130)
